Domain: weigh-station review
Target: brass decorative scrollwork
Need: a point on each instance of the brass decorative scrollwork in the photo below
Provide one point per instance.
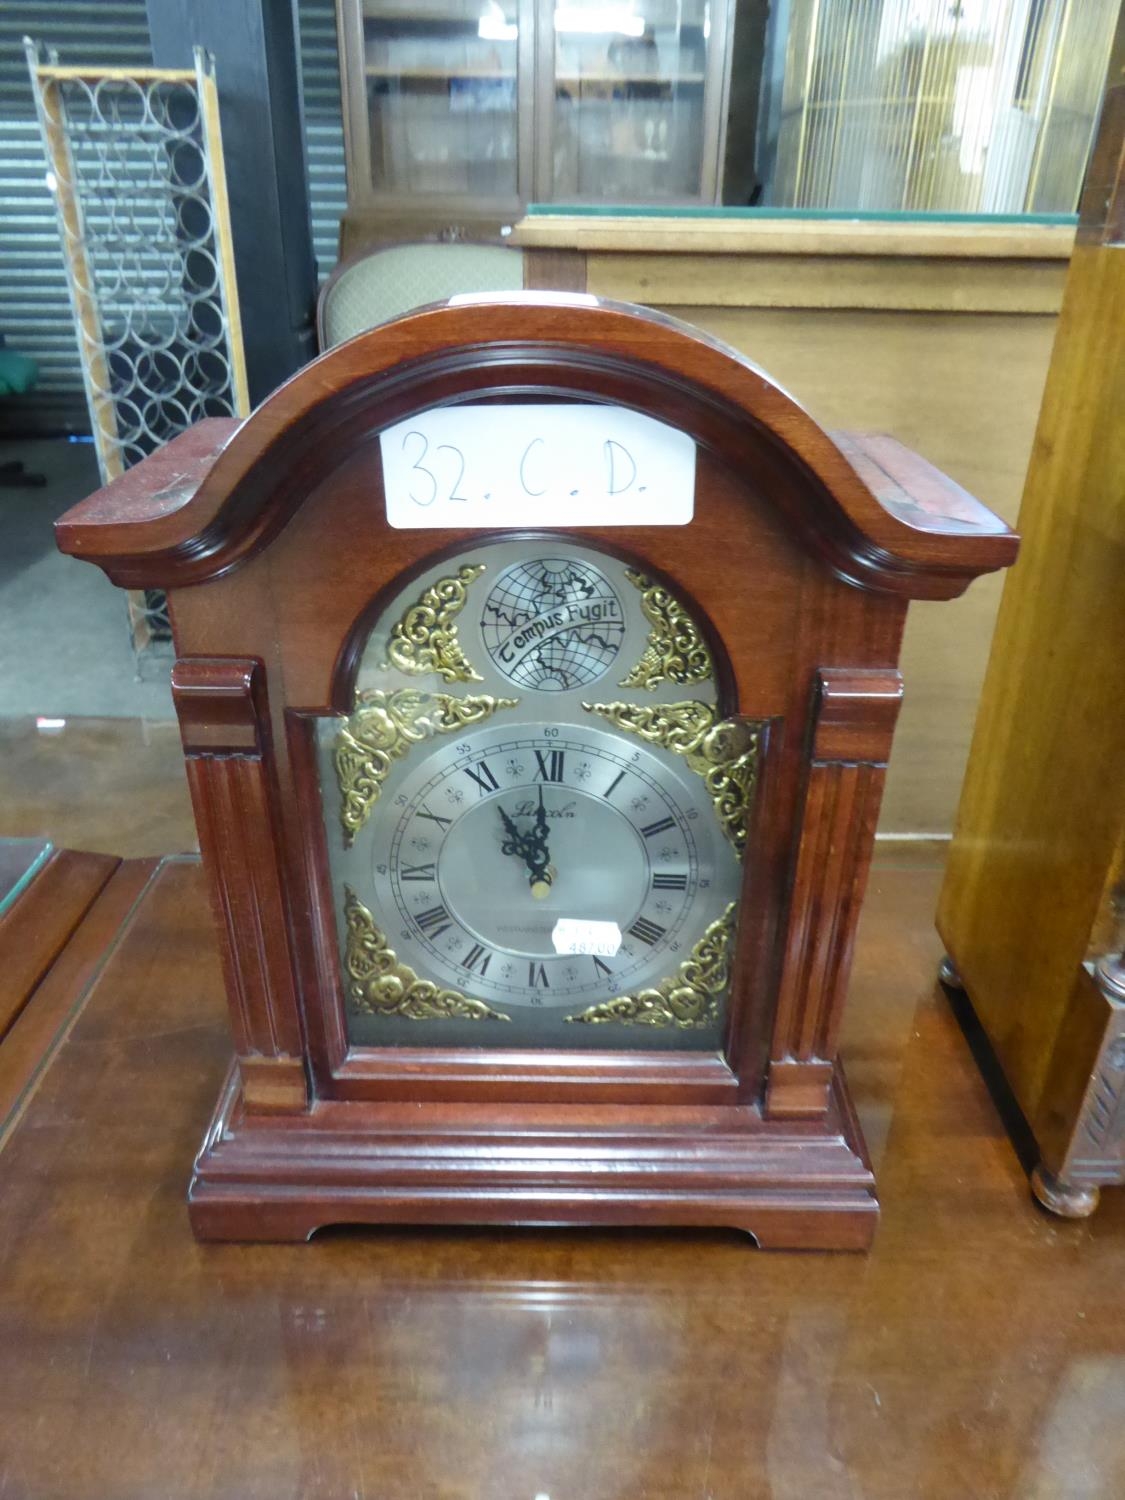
(687, 1000)
(379, 984)
(426, 640)
(675, 651)
(724, 753)
(383, 728)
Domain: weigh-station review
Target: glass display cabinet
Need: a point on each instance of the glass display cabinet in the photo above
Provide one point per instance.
(476, 107)
(486, 104)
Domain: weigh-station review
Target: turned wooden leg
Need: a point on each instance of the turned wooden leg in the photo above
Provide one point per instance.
(948, 974)
(1070, 1200)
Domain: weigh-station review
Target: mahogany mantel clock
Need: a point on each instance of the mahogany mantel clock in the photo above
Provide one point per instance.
(536, 668)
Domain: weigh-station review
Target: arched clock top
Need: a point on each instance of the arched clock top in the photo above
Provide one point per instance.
(869, 510)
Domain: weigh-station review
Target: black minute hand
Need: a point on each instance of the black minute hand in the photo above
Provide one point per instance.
(537, 854)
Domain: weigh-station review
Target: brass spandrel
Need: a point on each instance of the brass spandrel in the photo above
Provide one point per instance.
(675, 650)
(426, 640)
(380, 984)
(724, 752)
(689, 999)
(383, 729)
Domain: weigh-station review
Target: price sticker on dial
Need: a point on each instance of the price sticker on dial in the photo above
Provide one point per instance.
(573, 935)
(465, 467)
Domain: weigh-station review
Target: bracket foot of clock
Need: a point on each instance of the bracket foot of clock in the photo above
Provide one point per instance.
(790, 1184)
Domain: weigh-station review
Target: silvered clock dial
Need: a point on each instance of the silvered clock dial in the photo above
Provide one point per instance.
(539, 810)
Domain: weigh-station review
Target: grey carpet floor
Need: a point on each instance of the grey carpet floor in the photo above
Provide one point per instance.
(64, 639)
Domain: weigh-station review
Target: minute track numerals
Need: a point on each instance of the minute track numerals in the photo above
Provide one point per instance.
(490, 841)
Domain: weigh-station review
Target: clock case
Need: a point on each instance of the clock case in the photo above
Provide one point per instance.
(271, 541)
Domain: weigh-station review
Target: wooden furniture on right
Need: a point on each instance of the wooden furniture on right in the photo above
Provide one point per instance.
(1033, 908)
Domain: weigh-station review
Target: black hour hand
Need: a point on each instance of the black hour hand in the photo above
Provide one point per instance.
(531, 848)
(515, 842)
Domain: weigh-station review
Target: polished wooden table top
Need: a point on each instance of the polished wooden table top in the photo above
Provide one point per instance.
(978, 1351)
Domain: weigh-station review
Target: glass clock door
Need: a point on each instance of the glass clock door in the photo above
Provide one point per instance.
(536, 812)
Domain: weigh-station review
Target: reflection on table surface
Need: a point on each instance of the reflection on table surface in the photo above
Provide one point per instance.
(973, 1352)
(108, 785)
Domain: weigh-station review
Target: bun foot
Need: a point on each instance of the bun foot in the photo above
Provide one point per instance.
(1070, 1200)
(949, 975)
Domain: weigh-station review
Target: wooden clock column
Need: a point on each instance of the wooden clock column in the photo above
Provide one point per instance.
(224, 725)
(855, 720)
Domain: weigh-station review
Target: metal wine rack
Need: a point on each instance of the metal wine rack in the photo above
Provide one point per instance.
(135, 163)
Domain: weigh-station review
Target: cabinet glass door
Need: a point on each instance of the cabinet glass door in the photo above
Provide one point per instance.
(441, 89)
(633, 105)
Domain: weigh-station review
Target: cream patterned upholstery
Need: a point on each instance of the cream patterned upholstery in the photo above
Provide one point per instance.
(390, 281)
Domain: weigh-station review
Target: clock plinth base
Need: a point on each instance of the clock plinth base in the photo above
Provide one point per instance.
(790, 1184)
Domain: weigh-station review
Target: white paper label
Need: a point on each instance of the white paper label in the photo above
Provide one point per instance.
(573, 935)
(466, 467)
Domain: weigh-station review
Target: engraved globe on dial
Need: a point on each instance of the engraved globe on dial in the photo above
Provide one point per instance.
(553, 624)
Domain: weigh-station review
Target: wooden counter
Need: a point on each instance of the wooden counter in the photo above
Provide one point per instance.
(815, 263)
(937, 332)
